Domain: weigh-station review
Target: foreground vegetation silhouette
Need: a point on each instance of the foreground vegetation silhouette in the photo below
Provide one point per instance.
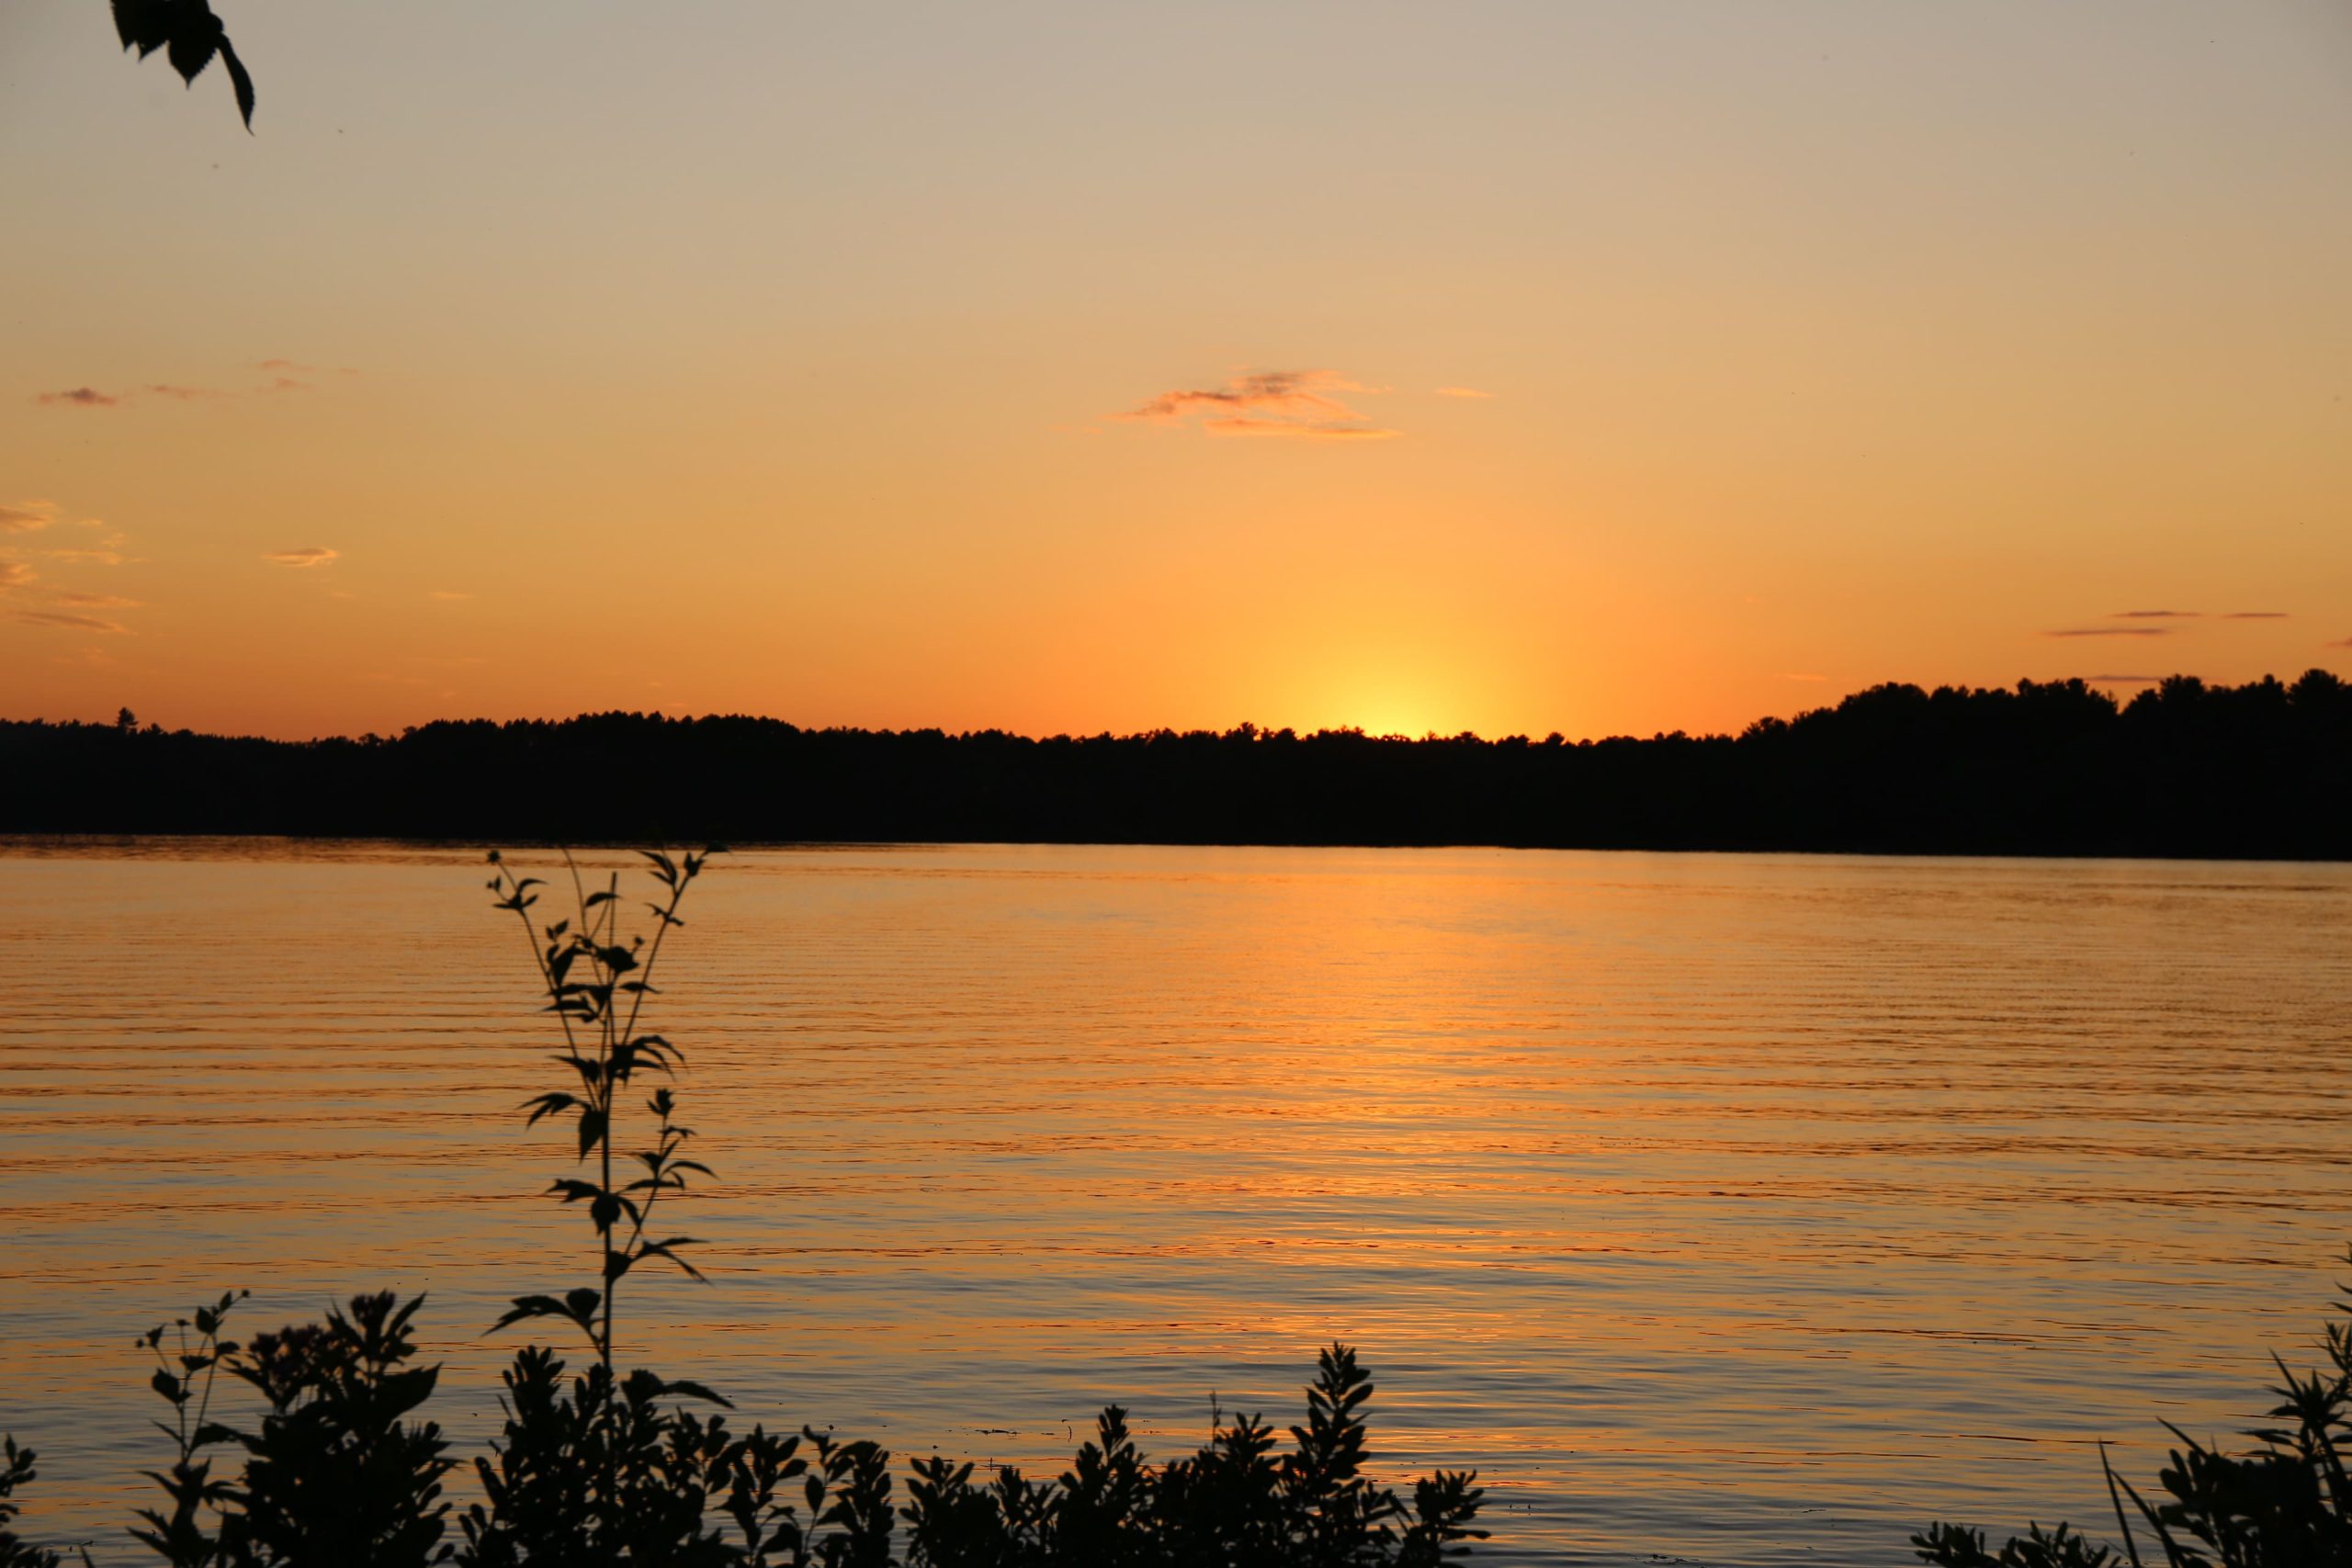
(595, 1469)
(2048, 768)
(2287, 1504)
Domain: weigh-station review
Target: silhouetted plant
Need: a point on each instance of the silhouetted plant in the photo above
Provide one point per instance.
(593, 1475)
(185, 1377)
(333, 1474)
(597, 984)
(16, 1470)
(189, 35)
(2287, 1504)
(603, 1471)
(1235, 1503)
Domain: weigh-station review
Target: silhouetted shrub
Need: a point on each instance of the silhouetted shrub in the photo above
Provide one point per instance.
(1234, 1502)
(16, 1470)
(588, 1474)
(332, 1474)
(2287, 1504)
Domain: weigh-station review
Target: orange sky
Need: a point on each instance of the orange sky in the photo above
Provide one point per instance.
(1062, 367)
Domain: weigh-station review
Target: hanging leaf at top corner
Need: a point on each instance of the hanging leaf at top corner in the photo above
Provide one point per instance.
(190, 37)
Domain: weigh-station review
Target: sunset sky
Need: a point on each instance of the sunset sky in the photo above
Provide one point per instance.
(1074, 364)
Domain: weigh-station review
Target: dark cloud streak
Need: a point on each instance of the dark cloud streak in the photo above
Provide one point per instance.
(1299, 404)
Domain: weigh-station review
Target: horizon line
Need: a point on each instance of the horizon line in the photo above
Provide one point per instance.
(1246, 728)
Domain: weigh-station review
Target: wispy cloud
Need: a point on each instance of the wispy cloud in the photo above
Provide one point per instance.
(1463, 392)
(73, 622)
(307, 556)
(2111, 631)
(296, 367)
(1299, 404)
(1333, 429)
(284, 378)
(98, 601)
(2340, 642)
(2197, 616)
(447, 595)
(26, 516)
(16, 574)
(105, 552)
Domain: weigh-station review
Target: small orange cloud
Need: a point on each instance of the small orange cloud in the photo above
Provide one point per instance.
(280, 382)
(307, 556)
(15, 574)
(26, 516)
(1296, 403)
(98, 601)
(107, 552)
(73, 623)
(2112, 631)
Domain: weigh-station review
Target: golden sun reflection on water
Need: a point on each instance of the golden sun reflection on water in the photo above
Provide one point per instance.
(1741, 1209)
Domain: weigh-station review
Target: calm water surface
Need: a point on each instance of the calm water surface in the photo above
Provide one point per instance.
(1746, 1210)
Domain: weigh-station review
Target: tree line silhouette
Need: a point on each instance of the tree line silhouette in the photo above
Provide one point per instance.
(2184, 769)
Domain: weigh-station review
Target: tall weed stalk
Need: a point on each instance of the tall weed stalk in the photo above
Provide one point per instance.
(596, 982)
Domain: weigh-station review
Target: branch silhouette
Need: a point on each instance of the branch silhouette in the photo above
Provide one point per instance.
(190, 36)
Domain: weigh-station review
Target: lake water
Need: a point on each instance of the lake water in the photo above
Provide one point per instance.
(1744, 1210)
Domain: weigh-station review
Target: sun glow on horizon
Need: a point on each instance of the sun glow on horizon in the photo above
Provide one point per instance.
(979, 382)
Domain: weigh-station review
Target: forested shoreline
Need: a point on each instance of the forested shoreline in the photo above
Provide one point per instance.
(2184, 769)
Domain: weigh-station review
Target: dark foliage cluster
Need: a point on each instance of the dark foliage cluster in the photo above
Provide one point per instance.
(16, 1470)
(333, 1472)
(2286, 1503)
(2259, 771)
(191, 38)
(596, 1469)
